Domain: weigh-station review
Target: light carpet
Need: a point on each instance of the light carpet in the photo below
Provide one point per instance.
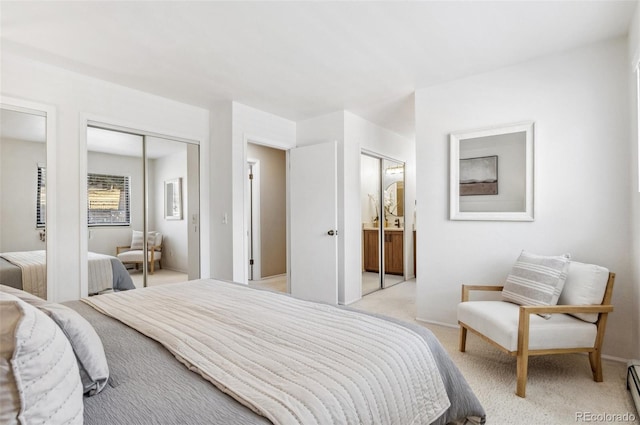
(560, 388)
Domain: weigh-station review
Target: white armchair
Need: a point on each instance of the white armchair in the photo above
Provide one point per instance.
(576, 324)
(134, 254)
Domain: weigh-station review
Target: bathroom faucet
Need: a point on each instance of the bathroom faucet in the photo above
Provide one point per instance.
(397, 220)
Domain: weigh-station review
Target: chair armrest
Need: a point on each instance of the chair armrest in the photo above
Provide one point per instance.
(119, 249)
(467, 288)
(567, 309)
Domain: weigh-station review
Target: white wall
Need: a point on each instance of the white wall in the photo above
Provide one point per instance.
(77, 97)
(19, 161)
(369, 185)
(579, 102)
(221, 242)
(634, 58)
(175, 252)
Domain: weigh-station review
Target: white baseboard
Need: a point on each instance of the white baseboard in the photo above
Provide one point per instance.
(433, 322)
(351, 301)
(270, 277)
(614, 358)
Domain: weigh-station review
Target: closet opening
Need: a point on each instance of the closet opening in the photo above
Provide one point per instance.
(142, 201)
(382, 217)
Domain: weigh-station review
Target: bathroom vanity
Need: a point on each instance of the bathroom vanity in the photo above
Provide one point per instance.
(393, 250)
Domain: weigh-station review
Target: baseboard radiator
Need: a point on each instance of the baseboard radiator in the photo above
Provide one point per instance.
(633, 382)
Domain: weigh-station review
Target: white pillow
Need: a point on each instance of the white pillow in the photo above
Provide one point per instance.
(157, 240)
(39, 377)
(137, 239)
(536, 280)
(585, 285)
(10, 315)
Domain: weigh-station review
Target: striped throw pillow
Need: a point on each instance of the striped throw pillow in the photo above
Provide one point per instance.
(536, 280)
(137, 239)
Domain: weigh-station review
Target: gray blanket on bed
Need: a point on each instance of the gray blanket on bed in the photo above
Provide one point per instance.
(149, 386)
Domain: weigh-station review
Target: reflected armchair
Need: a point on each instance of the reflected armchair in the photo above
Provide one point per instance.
(134, 254)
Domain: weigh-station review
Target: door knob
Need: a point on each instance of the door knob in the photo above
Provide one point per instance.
(332, 232)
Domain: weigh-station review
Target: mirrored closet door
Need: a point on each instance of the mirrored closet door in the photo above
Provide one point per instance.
(382, 217)
(23, 198)
(143, 202)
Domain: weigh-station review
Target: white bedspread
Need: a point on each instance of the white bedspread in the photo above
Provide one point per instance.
(292, 361)
(100, 272)
(34, 270)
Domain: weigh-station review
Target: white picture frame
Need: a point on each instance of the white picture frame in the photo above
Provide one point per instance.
(173, 199)
(493, 207)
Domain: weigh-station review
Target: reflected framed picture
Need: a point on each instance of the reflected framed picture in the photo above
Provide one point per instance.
(479, 176)
(173, 199)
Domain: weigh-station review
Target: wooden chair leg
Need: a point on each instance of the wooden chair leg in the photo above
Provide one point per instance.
(151, 267)
(463, 339)
(522, 367)
(596, 365)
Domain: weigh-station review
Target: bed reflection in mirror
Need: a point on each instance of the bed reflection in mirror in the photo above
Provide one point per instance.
(23, 197)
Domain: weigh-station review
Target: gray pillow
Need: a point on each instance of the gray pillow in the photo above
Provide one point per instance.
(87, 346)
(536, 280)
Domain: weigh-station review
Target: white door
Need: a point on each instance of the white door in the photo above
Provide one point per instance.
(314, 217)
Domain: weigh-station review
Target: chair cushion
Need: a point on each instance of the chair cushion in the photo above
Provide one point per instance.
(498, 320)
(137, 256)
(585, 285)
(536, 279)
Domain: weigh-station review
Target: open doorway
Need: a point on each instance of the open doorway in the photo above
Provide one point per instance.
(266, 221)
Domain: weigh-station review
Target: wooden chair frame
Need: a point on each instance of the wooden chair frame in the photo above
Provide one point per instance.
(152, 249)
(523, 352)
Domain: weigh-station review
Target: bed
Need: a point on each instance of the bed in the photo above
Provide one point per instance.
(150, 384)
(216, 352)
(27, 270)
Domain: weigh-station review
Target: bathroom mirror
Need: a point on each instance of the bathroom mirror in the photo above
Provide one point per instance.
(491, 173)
(394, 194)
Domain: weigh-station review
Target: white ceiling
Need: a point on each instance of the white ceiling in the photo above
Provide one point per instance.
(302, 59)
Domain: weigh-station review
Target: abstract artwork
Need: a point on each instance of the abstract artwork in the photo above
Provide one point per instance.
(479, 176)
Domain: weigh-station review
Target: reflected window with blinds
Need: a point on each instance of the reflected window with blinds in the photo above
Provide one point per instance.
(41, 201)
(109, 200)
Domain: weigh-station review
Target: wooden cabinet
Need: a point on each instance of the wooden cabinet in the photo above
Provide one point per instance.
(371, 257)
(393, 251)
